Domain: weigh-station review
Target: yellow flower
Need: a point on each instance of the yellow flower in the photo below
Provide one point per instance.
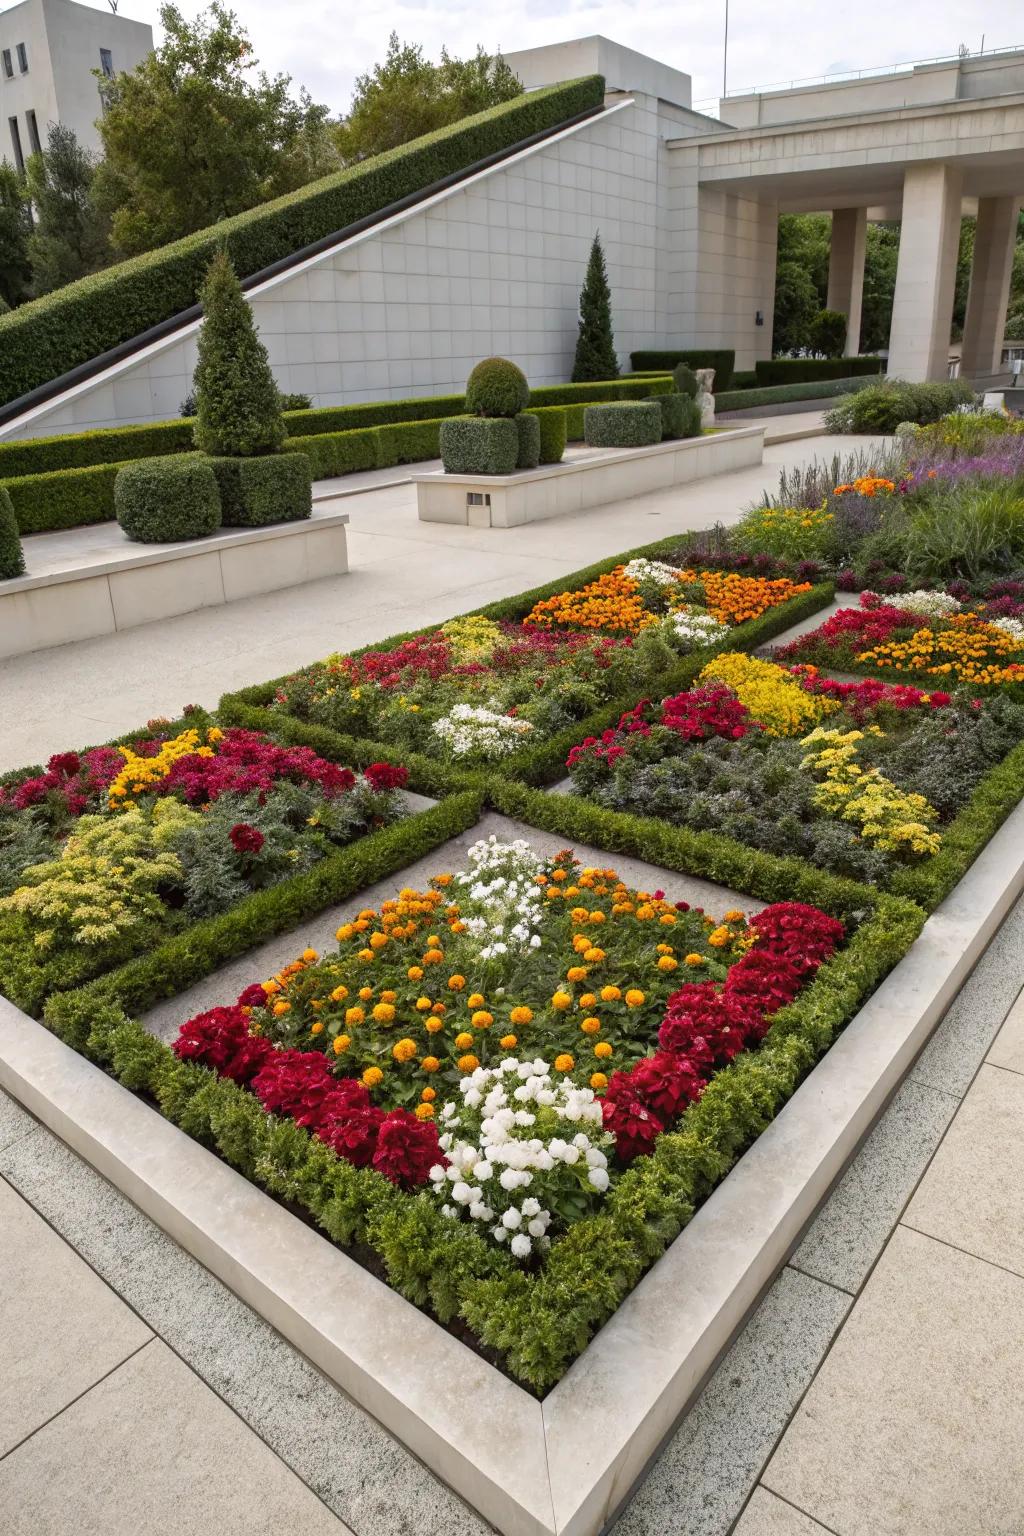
(423, 1005)
(668, 963)
(282, 1007)
(482, 1019)
(433, 1026)
(521, 1015)
(733, 916)
(594, 956)
(463, 1041)
(576, 973)
(598, 1081)
(590, 1026)
(372, 1076)
(467, 1063)
(384, 1013)
(610, 994)
(424, 1111)
(602, 1050)
(415, 973)
(456, 983)
(508, 1042)
(693, 959)
(475, 1000)
(365, 993)
(429, 1094)
(317, 1028)
(719, 937)
(378, 940)
(564, 1063)
(634, 997)
(309, 955)
(561, 1001)
(339, 994)
(429, 1064)
(404, 1050)
(341, 1044)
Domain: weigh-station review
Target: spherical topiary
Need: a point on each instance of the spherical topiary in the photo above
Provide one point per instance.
(12, 560)
(160, 500)
(497, 387)
(685, 380)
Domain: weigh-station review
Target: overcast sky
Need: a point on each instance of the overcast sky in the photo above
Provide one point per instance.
(325, 45)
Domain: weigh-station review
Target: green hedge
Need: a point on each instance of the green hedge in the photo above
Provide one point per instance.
(479, 445)
(553, 423)
(159, 501)
(806, 370)
(43, 339)
(267, 488)
(108, 445)
(623, 424)
(68, 498)
(337, 453)
(721, 359)
(784, 394)
(406, 443)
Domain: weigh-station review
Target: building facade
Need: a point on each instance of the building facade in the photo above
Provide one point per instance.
(48, 52)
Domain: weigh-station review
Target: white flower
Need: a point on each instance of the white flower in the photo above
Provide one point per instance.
(462, 1193)
(536, 1228)
(531, 1206)
(654, 571)
(934, 605)
(512, 1219)
(689, 629)
(521, 1245)
(599, 1178)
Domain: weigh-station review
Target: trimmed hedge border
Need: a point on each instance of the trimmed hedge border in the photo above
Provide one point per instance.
(783, 394)
(42, 340)
(721, 359)
(804, 370)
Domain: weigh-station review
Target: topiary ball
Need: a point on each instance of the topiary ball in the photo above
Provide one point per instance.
(12, 561)
(685, 380)
(497, 387)
(158, 501)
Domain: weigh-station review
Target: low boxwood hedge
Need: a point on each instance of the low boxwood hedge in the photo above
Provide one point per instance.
(479, 445)
(272, 488)
(806, 370)
(408, 442)
(528, 428)
(786, 394)
(721, 359)
(552, 419)
(67, 498)
(623, 424)
(161, 500)
(106, 445)
(41, 340)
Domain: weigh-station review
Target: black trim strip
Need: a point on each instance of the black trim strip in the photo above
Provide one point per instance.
(95, 365)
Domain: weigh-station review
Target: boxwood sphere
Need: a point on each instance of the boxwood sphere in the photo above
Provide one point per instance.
(160, 500)
(497, 387)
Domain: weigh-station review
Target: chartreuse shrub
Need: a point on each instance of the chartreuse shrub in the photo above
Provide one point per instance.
(160, 500)
(12, 561)
(276, 488)
(43, 339)
(625, 424)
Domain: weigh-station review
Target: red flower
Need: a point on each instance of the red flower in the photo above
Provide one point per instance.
(246, 839)
(665, 1082)
(384, 776)
(633, 1125)
(220, 1039)
(65, 763)
(351, 1131)
(297, 1083)
(253, 997)
(407, 1149)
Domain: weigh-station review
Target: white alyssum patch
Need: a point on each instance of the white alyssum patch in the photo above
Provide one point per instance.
(524, 1150)
(467, 729)
(1012, 627)
(689, 629)
(654, 571)
(934, 605)
(500, 900)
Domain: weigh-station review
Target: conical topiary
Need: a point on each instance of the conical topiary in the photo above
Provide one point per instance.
(12, 561)
(595, 345)
(238, 409)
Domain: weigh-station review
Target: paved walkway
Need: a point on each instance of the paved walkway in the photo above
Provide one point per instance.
(404, 573)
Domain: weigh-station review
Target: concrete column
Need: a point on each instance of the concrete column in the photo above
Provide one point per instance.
(922, 311)
(989, 294)
(846, 270)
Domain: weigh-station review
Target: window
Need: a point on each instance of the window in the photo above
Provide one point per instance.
(33, 132)
(19, 158)
(8, 64)
(107, 63)
(22, 59)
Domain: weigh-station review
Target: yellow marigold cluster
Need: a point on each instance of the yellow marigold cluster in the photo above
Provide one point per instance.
(733, 599)
(472, 638)
(142, 773)
(964, 647)
(890, 818)
(770, 693)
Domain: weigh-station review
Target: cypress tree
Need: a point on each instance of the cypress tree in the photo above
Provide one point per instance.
(12, 561)
(595, 345)
(238, 409)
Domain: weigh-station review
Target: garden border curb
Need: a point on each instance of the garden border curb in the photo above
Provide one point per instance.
(563, 1467)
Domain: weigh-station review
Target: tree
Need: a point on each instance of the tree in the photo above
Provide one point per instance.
(15, 228)
(70, 235)
(407, 96)
(595, 344)
(238, 409)
(882, 251)
(828, 332)
(190, 139)
(796, 304)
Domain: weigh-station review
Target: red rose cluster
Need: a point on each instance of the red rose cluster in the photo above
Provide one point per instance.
(706, 712)
(301, 1086)
(705, 1025)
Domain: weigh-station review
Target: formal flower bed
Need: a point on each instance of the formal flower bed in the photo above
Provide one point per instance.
(511, 1038)
(105, 852)
(478, 690)
(925, 633)
(857, 778)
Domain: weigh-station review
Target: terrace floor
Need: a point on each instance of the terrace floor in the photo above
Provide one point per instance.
(875, 1389)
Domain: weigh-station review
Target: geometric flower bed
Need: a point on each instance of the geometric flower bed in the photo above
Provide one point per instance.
(108, 851)
(925, 634)
(859, 778)
(476, 690)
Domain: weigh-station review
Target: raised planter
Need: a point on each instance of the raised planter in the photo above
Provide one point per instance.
(561, 1467)
(94, 581)
(589, 477)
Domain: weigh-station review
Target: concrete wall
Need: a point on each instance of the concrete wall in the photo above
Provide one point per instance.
(63, 41)
(492, 266)
(623, 68)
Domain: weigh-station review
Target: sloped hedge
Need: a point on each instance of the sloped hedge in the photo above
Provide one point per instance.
(43, 339)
